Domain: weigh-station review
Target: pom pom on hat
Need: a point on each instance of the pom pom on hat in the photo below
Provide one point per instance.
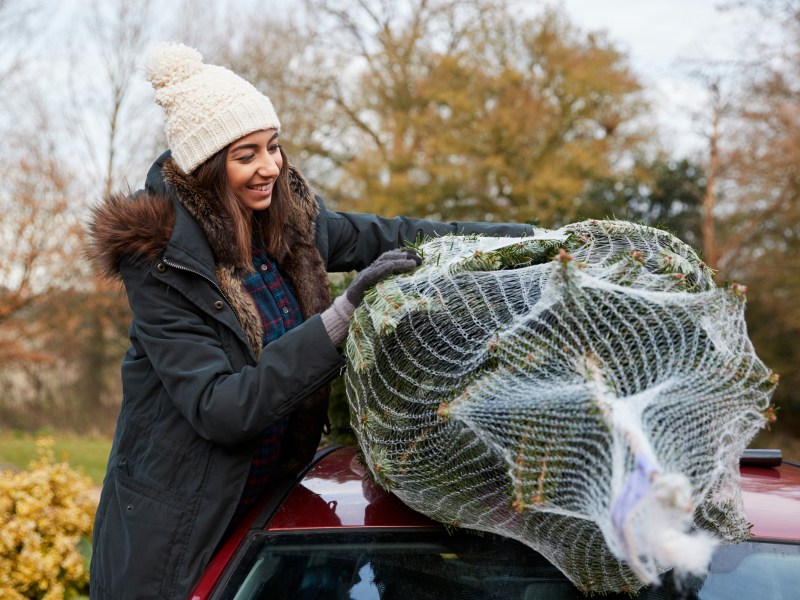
(167, 63)
(206, 107)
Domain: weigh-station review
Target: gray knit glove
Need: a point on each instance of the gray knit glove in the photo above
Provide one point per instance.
(336, 319)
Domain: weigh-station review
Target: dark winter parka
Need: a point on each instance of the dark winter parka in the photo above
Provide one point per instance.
(197, 386)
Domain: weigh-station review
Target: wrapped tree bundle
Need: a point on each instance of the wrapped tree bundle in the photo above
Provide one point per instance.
(587, 391)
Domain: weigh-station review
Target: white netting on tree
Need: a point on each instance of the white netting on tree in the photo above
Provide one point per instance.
(587, 391)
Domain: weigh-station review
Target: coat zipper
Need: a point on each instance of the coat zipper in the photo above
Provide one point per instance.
(180, 267)
(175, 265)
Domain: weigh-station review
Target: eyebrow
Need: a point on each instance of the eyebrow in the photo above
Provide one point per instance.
(252, 146)
(243, 147)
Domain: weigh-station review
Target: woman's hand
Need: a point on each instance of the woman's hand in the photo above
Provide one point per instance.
(337, 318)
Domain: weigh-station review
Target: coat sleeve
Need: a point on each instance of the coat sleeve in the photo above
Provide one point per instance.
(180, 341)
(350, 241)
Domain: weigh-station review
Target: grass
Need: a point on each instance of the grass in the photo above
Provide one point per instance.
(85, 454)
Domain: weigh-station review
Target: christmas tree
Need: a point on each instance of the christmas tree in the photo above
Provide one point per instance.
(587, 391)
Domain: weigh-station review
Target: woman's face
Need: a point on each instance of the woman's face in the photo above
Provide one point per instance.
(252, 164)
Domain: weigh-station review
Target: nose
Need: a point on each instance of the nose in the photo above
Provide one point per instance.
(268, 166)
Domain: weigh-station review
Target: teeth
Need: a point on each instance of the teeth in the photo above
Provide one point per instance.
(260, 188)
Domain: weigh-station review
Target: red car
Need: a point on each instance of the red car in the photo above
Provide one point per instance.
(335, 534)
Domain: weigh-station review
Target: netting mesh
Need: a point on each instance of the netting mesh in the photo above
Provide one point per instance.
(587, 391)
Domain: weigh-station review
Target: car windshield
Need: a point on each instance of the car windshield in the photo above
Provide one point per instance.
(435, 565)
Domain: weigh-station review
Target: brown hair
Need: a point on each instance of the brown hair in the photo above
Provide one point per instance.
(266, 226)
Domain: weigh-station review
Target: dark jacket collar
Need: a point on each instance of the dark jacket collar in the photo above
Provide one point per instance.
(154, 182)
(188, 244)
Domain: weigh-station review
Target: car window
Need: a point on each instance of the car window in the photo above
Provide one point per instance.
(435, 565)
(754, 570)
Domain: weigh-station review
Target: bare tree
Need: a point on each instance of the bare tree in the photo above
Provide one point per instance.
(753, 155)
(111, 110)
(112, 130)
(719, 109)
(38, 233)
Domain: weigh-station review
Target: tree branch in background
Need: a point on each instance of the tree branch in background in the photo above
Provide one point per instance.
(39, 234)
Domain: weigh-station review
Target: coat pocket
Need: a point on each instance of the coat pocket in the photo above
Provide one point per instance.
(139, 546)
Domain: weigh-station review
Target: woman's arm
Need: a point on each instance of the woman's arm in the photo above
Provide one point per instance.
(350, 241)
(187, 350)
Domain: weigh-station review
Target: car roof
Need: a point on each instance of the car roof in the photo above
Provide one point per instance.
(771, 497)
(336, 492)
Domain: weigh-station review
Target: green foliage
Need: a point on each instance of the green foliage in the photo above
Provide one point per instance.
(662, 193)
(774, 326)
(339, 416)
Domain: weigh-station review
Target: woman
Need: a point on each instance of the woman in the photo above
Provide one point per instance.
(224, 257)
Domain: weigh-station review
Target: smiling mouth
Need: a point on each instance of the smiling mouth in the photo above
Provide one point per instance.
(260, 188)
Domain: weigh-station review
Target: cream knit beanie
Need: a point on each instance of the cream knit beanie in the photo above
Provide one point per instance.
(206, 107)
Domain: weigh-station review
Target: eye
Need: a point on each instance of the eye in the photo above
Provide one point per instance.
(246, 158)
(273, 148)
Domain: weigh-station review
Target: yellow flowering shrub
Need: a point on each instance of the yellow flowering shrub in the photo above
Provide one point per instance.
(46, 513)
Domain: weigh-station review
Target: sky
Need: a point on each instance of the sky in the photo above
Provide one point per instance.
(665, 40)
